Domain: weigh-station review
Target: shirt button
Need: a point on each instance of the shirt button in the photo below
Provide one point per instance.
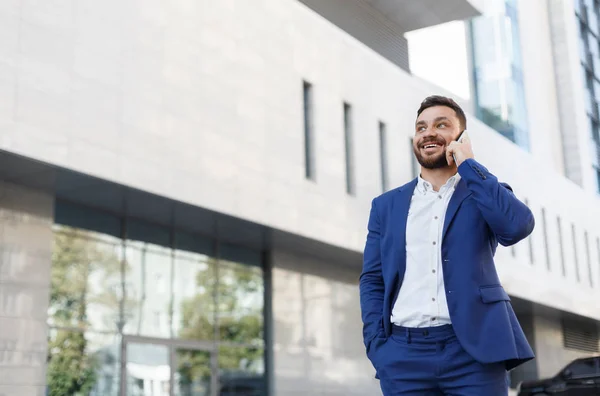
(436, 217)
(433, 319)
(439, 196)
(433, 299)
(434, 242)
(433, 271)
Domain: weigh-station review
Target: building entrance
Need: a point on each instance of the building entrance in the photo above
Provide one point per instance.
(158, 367)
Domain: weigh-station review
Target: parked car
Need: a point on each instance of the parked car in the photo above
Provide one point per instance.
(581, 377)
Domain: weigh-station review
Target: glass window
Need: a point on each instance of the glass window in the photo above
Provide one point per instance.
(546, 243)
(193, 373)
(593, 125)
(83, 363)
(308, 131)
(595, 149)
(483, 32)
(596, 90)
(104, 287)
(588, 258)
(194, 243)
(85, 218)
(86, 284)
(592, 20)
(583, 51)
(515, 43)
(142, 231)
(489, 93)
(589, 81)
(194, 306)
(561, 245)
(148, 289)
(240, 298)
(241, 371)
(589, 102)
(583, 368)
(148, 369)
(383, 162)
(349, 149)
(575, 253)
(240, 254)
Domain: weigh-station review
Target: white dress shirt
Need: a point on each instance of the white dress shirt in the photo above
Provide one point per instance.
(421, 300)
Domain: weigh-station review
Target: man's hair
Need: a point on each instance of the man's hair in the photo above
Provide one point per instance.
(437, 100)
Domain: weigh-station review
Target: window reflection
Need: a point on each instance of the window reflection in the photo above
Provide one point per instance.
(241, 371)
(83, 363)
(193, 373)
(240, 299)
(86, 280)
(103, 287)
(194, 296)
(148, 371)
(498, 75)
(148, 280)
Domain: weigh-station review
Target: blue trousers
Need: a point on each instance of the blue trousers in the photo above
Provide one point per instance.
(431, 362)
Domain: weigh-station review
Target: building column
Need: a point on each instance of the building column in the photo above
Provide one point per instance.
(26, 219)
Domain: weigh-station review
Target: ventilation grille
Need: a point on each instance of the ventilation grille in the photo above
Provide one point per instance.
(581, 335)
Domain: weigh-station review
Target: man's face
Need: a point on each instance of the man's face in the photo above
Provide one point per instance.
(435, 128)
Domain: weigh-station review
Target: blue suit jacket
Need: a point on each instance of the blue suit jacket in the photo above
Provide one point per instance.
(481, 213)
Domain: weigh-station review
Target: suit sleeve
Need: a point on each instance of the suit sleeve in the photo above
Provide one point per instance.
(508, 218)
(371, 281)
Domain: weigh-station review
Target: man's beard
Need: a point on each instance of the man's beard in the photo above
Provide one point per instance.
(431, 162)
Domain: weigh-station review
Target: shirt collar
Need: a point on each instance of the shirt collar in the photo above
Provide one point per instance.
(423, 186)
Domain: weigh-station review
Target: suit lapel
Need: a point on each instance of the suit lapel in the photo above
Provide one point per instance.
(460, 193)
(400, 216)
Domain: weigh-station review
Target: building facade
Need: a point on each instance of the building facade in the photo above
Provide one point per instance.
(185, 190)
(498, 71)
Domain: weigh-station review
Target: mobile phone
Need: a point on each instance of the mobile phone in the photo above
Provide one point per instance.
(459, 139)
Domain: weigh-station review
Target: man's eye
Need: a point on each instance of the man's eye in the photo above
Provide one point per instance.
(442, 125)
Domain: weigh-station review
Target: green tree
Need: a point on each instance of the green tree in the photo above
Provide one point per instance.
(71, 369)
(234, 294)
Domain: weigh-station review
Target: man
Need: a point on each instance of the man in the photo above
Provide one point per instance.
(436, 318)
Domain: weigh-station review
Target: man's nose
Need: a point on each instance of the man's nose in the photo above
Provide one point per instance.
(430, 131)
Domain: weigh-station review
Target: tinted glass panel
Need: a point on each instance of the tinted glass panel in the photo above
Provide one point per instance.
(148, 289)
(192, 373)
(142, 231)
(583, 368)
(81, 217)
(241, 371)
(83, 363)
(86, 285)
(194, 296)
(240, 302)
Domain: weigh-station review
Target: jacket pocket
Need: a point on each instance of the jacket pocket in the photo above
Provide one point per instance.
(495, 293)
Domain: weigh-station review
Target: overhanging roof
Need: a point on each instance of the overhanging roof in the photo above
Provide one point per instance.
(381, 24)
(417, 14)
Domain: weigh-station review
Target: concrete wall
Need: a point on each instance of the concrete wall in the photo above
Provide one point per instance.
(318, 348)
(26, 219)
(202, 102)
(551, 355)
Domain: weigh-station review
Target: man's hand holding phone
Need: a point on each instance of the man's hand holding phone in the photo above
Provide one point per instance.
(459, 150)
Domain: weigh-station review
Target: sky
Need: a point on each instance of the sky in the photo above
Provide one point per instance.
(439, 55)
